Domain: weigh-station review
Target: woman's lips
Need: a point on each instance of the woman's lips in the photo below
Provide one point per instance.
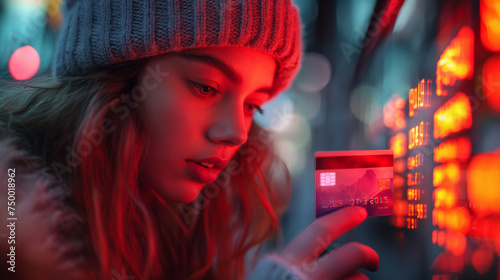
(202, 174)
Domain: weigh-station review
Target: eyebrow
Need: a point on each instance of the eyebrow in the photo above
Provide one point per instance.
(225, 68)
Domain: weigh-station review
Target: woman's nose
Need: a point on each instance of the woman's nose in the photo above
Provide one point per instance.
(229, 127)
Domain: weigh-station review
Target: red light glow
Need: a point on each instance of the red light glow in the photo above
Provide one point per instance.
(398, 181)
(413, 194)
(398, 221)
(411, 223)
(482, 259)
(394, 116)
(397, 144)
(490, 20)
(482, 183)
(400, 208)
(24, 63)
(438, 218)
(491, 82)
(446, 173)
(399, 165)
(444, 198)
(414, 179)
(415, 161)
(456, 244)
(420, 97)
(453, 116)
(418, 135)
(458, 220)
(456, 61)
(459, 149)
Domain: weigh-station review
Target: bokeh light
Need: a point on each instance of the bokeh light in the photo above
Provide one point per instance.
(277, 113)
(315, 73)
(482, 183)
(490, 20)
(24, 63)
(491, 82)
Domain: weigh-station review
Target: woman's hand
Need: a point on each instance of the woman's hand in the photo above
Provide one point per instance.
(341, 263)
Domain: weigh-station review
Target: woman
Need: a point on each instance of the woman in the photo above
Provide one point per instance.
(148, 130)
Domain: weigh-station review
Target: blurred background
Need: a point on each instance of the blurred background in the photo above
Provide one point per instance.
(419, 77)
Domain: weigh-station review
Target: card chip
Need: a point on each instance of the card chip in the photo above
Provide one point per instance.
(384, 184)
(327, 179)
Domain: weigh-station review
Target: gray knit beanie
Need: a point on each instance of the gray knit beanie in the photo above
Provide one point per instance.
(97, 33)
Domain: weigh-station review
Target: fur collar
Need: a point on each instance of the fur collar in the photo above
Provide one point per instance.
(49, 233)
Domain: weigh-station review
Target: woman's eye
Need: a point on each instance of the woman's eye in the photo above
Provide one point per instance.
(202, 90)
(252, 107)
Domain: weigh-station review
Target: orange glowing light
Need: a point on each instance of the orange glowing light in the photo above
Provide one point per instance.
(483, 183)
(415, 161)
(444, 198)
(421, 210)
(418, 135)
(398, 194)
(394, 116)
(411, 223)
(411, 209)
(418, 210)
(400, 208)
(419, 97)
(441, 238)
(453, 116)
(413, 194)
(398, 181)
(414, 179)
(411, 102)
(490, 20)
(448, 172)
(458, 220)
(399, 165)
(491, 82)
(459, 149)
(398, 221)
(456, 61)
(397, 144)
(456, 244)
(439, 218)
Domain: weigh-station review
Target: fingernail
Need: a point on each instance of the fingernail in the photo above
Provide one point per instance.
(362, 212)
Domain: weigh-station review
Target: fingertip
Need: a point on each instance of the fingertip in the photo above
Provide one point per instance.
(357, 212)
(374, 261)
(362, 212)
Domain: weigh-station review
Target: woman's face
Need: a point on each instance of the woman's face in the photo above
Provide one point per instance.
(198, 111)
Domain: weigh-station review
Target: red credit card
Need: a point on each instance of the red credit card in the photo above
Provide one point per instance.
(354, 178)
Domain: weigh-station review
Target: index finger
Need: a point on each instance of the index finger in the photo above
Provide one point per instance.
(313, 240)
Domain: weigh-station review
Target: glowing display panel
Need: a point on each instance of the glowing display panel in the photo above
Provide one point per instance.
(453, 149)
(456, 61)
(418, 135)
(420, 97)
(454, 116)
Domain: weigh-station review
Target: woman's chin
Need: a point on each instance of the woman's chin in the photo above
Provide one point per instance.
(184, 194)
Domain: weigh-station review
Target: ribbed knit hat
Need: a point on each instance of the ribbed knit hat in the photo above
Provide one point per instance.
(96, 33)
